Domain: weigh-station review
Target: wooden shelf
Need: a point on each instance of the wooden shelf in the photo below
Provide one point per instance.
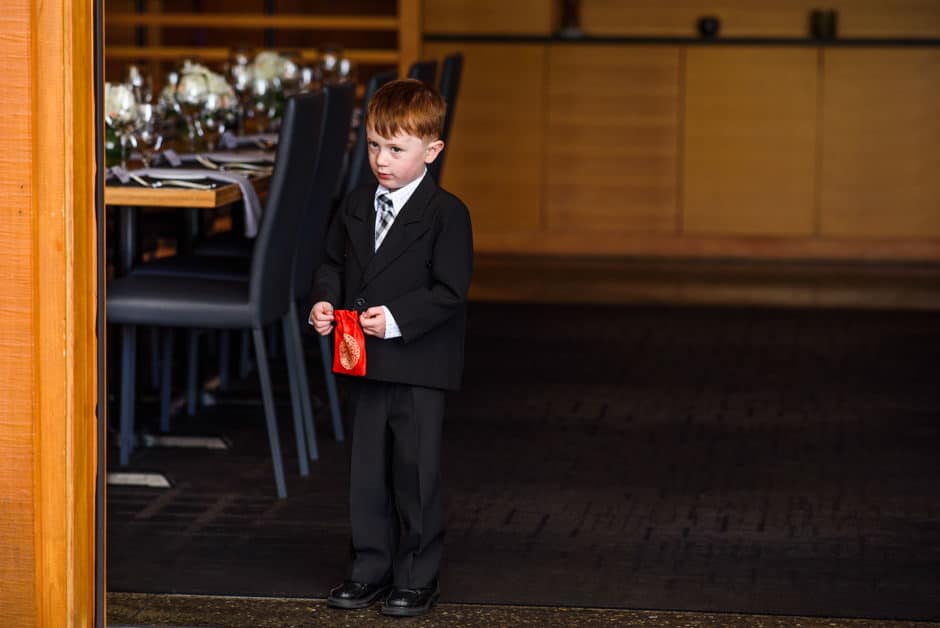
(221, 53)
(249, 21)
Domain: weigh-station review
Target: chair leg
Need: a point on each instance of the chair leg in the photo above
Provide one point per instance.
(270, 418)
(326, 352)
(273, 342)
(192, 374)
(154, 360)
(293, 379)
(293, 345)
(128, 364)
(225, 350)
(244, 366)
(166, 384)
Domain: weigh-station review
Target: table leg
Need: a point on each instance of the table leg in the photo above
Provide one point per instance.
(128, 238)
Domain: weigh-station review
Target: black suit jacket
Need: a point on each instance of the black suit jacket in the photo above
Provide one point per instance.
(421, 273)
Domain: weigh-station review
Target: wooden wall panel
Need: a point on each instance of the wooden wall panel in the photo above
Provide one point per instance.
(611, 151)
(519, 17)
(898, 18)
(881, 143)
(764, 18)
(494, 156)
(750, 141)
(48, 364)
(18, 604)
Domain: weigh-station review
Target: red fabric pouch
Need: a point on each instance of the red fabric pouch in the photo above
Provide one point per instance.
(349, 356)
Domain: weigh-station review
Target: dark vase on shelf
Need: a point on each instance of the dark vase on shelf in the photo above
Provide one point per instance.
(708, 26)
(823, 25)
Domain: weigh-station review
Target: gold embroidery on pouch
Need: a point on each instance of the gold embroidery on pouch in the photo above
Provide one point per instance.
(349, 352)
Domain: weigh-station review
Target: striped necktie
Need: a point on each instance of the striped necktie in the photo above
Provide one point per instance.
(383, 218)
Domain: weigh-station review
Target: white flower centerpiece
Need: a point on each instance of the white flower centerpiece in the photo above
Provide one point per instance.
(206, 100)
(120, 116)
(272, 77)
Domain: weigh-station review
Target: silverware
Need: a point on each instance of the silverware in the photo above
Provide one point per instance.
(205, 161)
(179, 183)
(245, 166)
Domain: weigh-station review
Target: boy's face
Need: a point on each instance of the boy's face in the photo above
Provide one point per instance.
(399, 160)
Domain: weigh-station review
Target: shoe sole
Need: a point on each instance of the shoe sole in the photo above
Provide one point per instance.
(398, 611)
(350, 605)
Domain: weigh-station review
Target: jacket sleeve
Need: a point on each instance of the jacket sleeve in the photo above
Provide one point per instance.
(328, 281)
(420, 311)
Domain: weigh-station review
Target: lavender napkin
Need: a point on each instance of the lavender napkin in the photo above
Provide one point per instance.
(230, 140)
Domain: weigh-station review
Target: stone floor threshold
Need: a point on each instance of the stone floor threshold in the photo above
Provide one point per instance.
(137, 610)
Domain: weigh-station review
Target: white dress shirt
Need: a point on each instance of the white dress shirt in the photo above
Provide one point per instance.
(399, 197)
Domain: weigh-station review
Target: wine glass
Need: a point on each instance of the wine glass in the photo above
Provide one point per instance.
(263, 105)
(213, 120)
(149, 132)
(330, 56)
(345, 71)
(191, 93)
(140, 84)
(240, 73)
(290, 75)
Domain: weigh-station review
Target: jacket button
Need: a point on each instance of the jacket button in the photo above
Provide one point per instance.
(360, 302)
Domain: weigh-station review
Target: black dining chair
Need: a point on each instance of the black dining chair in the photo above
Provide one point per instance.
(425, 71)
(192, 302)
(308, 254)
(451, 70)
(310, 250)
(358, 171)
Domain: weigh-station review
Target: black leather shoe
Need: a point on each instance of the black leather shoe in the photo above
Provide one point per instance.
(402, 602)
(352, 594)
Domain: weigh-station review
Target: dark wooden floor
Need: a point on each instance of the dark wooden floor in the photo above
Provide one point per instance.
(762, 460)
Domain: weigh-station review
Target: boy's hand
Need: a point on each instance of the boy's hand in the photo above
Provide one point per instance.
(321, 317)
(373, 322)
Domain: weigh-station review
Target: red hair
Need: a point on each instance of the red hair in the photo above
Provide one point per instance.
(409, 106)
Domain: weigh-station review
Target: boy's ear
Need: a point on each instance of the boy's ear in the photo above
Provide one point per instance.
(433, 150)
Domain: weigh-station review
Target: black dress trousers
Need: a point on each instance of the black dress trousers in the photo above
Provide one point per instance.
(395, 502)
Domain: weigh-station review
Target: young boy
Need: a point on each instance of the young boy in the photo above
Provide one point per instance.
(400, 253)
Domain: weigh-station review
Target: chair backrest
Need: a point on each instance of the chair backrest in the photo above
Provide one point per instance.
(291, 185)
(425, 71)
(358, 171)
(450, 86)
(308, 251)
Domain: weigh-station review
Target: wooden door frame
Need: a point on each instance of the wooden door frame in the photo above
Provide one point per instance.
(49, 308)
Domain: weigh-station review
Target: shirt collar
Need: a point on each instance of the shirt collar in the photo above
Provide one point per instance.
(401, 195)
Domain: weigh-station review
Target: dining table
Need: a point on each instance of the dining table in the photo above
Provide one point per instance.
(130, 197)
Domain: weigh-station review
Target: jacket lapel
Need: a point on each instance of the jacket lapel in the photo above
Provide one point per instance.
(408, 227)
(361, 231)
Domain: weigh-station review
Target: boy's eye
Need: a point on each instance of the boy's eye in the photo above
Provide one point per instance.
(395, 149)
(373, 145)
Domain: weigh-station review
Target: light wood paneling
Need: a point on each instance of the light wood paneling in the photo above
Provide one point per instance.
(881, 143)
(494, 156)
(750, 141)
(897, 18)
(762, 18)
(519, 17)
(409, 34)
(18, 604)
(611, 243)
(611, 151)
(47, 315)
